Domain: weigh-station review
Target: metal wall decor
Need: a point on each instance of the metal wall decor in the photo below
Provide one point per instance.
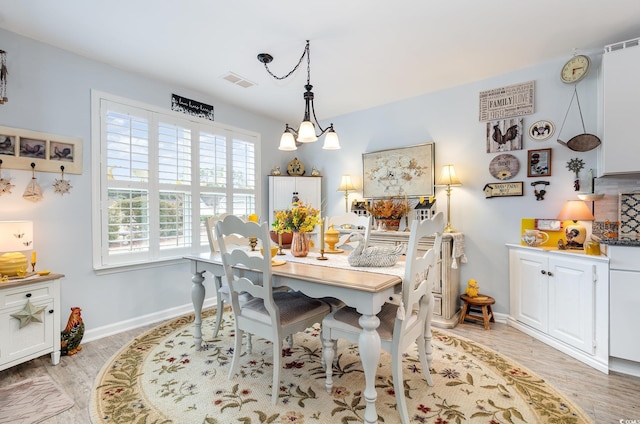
(539, 193)
(575, 165)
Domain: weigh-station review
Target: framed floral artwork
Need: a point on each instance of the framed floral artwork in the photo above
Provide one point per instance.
(406, 171)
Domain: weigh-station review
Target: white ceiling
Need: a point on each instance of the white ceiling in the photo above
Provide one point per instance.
(364, 53)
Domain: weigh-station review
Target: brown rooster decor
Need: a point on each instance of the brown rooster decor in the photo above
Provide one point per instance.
(72, 334)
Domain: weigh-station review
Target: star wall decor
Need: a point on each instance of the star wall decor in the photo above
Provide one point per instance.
(29, 314)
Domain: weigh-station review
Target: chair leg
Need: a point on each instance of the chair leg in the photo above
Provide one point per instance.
(277, 355)
(220, 303)
(237, 351)
(328, 354)
(398, 385)
(249, 345)
(426, 366)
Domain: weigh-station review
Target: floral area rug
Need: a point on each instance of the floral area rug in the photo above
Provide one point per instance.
(161, 378)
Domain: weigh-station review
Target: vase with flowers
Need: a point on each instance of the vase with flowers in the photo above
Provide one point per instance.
(300, 220)
(388, 212)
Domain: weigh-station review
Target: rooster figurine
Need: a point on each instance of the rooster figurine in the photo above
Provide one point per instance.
(72, 334)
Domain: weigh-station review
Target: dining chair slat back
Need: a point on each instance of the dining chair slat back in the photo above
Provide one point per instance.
(271, 315)
(401, 324)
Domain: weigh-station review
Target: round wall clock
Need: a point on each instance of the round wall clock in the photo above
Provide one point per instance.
(575, 69)
(541, 130)
(504, 167)
(295, 167)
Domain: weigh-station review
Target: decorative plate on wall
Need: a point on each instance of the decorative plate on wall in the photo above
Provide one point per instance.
(504, 167)
(541, 130)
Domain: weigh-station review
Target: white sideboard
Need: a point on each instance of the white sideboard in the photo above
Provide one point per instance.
(447, 290)
(34, 339)
(561, 298)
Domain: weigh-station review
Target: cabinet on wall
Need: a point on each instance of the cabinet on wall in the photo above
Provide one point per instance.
(282, 189)
(34, 339)
(621, 107)
(447, 286)
(562, 299)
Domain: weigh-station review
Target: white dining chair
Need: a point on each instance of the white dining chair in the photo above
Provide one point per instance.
(222, 289)
(271, 315)
(403, 323)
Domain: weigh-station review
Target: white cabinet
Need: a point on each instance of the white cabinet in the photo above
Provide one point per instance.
(35, 339)
(282, 189)
(621, 107)
(561, 298)
(624, 292)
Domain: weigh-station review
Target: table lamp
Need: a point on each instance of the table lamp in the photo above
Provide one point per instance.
(575, 210)
(346, 185)
(15, 237)
(448, 179)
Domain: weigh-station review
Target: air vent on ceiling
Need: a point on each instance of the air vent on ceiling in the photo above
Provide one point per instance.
(238, 80)
(622, 45)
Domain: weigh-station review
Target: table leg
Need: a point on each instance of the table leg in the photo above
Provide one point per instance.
(369, 347)
(197, 298)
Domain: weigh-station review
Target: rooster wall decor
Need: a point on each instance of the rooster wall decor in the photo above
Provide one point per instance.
(504, 135)
(72, 334)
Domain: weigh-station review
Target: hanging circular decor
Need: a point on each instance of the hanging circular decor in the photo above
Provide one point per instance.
(541, 130)
(504, 167)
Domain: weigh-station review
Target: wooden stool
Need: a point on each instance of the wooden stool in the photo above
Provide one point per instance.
(482, 302)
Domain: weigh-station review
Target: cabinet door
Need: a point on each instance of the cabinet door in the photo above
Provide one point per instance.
(625, 304)
(308, 189)
(571, 302)
(281, 191)
(621, 108)
(529, 288)
(34, 337)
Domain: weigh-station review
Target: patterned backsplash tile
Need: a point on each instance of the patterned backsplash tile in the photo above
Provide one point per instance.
(629, 210)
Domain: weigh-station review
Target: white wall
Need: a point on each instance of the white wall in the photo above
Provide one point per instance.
(49, 91)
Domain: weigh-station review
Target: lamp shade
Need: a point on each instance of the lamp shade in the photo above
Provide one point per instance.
(287, 142)
(331, 141)
(346, 184)
(448, 177)
(307, 132)
(16, 236)
(576, 210)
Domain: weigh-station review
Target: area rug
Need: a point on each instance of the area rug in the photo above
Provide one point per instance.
(32, 401)
(161, 378)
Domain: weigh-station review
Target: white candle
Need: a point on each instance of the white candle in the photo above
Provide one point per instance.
(321, 233)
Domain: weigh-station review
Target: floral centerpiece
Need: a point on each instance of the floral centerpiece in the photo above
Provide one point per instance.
(388, 211)
(300, 219)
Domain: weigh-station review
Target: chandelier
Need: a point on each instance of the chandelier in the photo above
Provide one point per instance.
(306, 133)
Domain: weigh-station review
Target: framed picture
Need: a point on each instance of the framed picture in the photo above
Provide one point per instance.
(503, 189)
(406, 171)
(20, 148)
(539, 163)
(504, 135)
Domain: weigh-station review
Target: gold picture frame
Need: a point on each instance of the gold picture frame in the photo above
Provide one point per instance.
(20, 148)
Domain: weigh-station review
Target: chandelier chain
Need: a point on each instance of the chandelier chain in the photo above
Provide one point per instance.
(305, 52)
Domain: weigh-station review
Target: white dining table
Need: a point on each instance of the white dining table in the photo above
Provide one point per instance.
(365, 289)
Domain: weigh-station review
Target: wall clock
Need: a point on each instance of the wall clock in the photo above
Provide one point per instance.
(576, 69)
(295, 167)
(504, 167)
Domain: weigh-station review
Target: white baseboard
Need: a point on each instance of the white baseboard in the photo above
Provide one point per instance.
(141, 321)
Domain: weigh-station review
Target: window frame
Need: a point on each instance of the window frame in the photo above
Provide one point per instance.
(154, 256)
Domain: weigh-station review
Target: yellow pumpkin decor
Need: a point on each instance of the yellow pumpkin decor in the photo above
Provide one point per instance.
(12, 264)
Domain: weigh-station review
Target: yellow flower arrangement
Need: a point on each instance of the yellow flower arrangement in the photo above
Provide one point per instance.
(300, 218)
(387, 209)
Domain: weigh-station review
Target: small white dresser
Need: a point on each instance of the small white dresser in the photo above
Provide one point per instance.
(34, 339)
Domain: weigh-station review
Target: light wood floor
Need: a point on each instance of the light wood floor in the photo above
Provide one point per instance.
(606, 398)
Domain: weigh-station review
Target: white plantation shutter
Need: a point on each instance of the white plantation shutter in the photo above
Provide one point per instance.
(161, 175)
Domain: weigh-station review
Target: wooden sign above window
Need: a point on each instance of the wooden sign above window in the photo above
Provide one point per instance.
(191, 107)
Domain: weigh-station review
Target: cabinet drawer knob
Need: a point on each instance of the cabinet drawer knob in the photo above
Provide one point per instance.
(550, 274)
(543, 272)
(50, 311)
(28, 294)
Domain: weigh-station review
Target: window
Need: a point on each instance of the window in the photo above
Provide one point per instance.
(158, 175)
